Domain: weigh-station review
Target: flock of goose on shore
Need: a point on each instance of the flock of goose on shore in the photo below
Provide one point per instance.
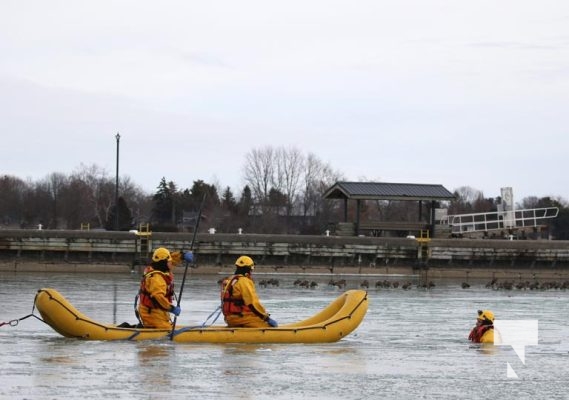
(341, 284)
(406, 285)
(527, 285)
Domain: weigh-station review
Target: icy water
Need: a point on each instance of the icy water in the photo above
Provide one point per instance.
(411, 345)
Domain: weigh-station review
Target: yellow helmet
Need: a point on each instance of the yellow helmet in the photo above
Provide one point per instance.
(245, 261)
(485, 315)
(161, 254)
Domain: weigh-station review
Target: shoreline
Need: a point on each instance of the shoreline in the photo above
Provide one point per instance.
(424, 273)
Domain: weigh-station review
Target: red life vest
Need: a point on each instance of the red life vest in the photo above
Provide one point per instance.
(230, 304)
(478, 331)
(144, 296)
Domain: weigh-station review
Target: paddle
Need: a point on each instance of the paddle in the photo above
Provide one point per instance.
(196, 226)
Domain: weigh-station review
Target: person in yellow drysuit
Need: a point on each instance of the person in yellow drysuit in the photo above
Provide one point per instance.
(483, 332)
(240, 305)
(156, 295)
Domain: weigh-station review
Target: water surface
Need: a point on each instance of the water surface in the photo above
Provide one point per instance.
(412, 344)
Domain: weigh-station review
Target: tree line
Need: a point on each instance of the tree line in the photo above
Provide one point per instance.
(282, 193)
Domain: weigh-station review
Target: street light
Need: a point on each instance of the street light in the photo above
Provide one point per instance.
(118, 137)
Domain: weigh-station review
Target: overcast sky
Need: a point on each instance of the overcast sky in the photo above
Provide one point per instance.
(458, 93)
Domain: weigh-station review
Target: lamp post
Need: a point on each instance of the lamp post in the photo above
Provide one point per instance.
(118, 137)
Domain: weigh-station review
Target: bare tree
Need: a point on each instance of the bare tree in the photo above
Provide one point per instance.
(465, 198)
(285, 173)
(530, 202)
(56, 182)
(259, 170)
(76, 211)
(290, 164)
(312, 173)
(137, 200)
(317, 177)
(36, 204)
(101, 191)
(13, 191)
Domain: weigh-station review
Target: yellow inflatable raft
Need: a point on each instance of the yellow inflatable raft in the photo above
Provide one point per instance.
(337, 320)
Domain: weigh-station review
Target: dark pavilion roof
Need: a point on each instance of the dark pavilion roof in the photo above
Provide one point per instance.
(387, 191)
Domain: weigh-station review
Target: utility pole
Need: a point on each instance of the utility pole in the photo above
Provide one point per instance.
(118, 137)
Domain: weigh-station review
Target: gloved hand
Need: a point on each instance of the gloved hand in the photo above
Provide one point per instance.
(176, 310)
(189, 257)
(176, 257)
(272, 323)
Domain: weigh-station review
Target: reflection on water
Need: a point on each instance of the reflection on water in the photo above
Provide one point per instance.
(153, 367)
(149, 353)
(412, 344)
(486, 348)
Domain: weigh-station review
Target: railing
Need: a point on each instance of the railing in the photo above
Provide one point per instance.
(484, 222)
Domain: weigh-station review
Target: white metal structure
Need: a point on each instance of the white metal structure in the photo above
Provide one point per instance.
(499, 220)
(506, 218)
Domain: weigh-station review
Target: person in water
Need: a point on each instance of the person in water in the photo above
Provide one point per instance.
(240, 304)
(483, 332)
(156, 294)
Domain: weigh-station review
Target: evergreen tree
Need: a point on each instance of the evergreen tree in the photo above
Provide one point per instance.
(277, 199)
(245, 202)
(198, 190)
(125, 217)
(163, 199)
(228, 202)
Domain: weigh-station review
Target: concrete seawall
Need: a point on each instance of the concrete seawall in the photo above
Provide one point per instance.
(94, 251)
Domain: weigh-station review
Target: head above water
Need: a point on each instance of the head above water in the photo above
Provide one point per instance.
(485, 316)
